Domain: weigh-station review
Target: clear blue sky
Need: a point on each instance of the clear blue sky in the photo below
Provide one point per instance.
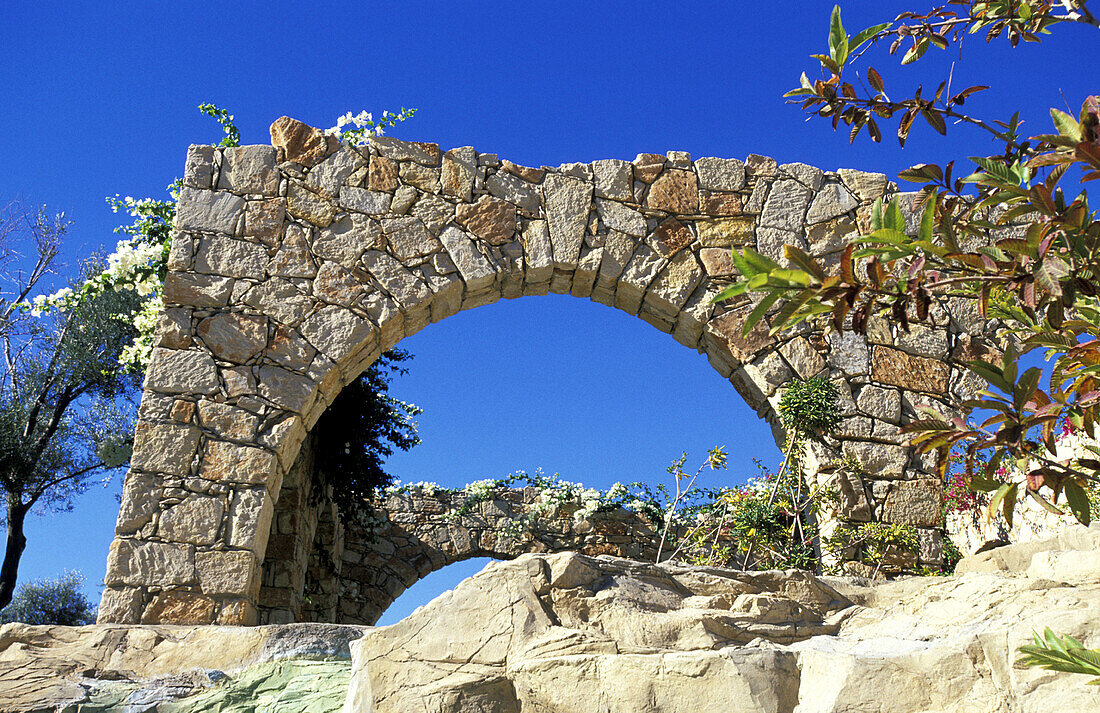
(100, 99)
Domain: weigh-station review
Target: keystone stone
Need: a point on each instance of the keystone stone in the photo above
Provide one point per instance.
(568, 201)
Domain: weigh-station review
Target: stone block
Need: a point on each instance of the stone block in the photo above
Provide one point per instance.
(300, 143)
(181, 372)
(179, 607)
(674, 285)
(617, 216)
(250, 520)
(198, 172)
(849, 352)
(363, 201)
(234, 337)
(514, 189)
(866, 186)
(718, 262)
(613, 179)
(491, 219)
(832, 201)
(883, 461)
(232, 574)
(119, 605)
(228, 421)
(647, 166)
(231, 258)
(164, 448)
(149, 564)
(803, 358)
(285, 389)
(200, 291)
(249, 169)
(228, 462)
(396, 150)
(670, 237)
(567, 201)
(720, 174)
(197, 520)
(914, 373)
(880, 403)
(141, 493)
(306, 205)
(208, 211)
(329, 175)
(674, 191)
(725, 232)
(786, 206)
(382, 174)
(744, 348)
(459, 171)
(476, 270)
(915, 502)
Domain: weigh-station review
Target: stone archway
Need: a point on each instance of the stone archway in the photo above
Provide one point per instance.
(295, 265)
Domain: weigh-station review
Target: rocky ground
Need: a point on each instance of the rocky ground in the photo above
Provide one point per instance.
(563, 633)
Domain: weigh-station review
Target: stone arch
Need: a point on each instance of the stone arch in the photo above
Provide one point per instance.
(295, 265)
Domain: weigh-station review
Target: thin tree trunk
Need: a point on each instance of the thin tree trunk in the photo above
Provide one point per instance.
(17, 542)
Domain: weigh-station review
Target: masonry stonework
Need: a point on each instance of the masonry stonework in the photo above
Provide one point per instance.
(295, 265)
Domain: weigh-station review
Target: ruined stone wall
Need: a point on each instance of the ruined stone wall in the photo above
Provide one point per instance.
(295, 265)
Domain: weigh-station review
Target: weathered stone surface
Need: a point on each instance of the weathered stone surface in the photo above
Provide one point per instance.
(866, 186)
(725, 232)
(831, 235)
(515, 190)
(744, 348)
(326, 177)
(395, 279)
(382, 174)
(490, 219)
(720, 174)
(300, 142)
(831, 201)
(234, 337)
(894, 367)
(717, 262)
(849, 352)
(674, 284)
(476, 270)
(306, 205)
(915, 502)
(613, 179)
(226, 573)
(208, 211)
(163, 448)
(647, 166)
(147, 564)
(223, 461)
(421, 177)
(538, 252)
(396, 150)
(618, 217)
(569, 633)
(279, 300)
(567, 201)
(294, 668)
(363, 201)
(674, 191)
(459, 171)
(809, 176)
(197, 521)
(249, 169)
(786, 206)
(198, 172)
(720, 204)
(880, 403)
(286, 389)
(181, 372)
(803, 358)
(882, 460)
(337, 332)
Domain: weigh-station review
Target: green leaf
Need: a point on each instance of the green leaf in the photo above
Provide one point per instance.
(838, 38)
(730, 292)
(865, 35)
(876, 214)
(894, 218)
(915, 52)
(1001, 495)
(1078, 501)
(928, 219)
(742, 265)
(1067, 126)
(758, 312)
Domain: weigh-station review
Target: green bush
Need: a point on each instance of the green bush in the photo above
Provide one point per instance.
(58, 601)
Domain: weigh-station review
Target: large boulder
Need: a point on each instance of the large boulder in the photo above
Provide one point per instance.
(563, 633)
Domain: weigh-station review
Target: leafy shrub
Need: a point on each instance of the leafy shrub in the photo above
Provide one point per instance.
(59, 601)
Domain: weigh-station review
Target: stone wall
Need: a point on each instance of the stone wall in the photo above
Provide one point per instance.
(295, 265)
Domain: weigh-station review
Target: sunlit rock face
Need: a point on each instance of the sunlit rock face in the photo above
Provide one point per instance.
(567, 633)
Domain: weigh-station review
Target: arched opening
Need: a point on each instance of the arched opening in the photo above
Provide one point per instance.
(565, 385)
